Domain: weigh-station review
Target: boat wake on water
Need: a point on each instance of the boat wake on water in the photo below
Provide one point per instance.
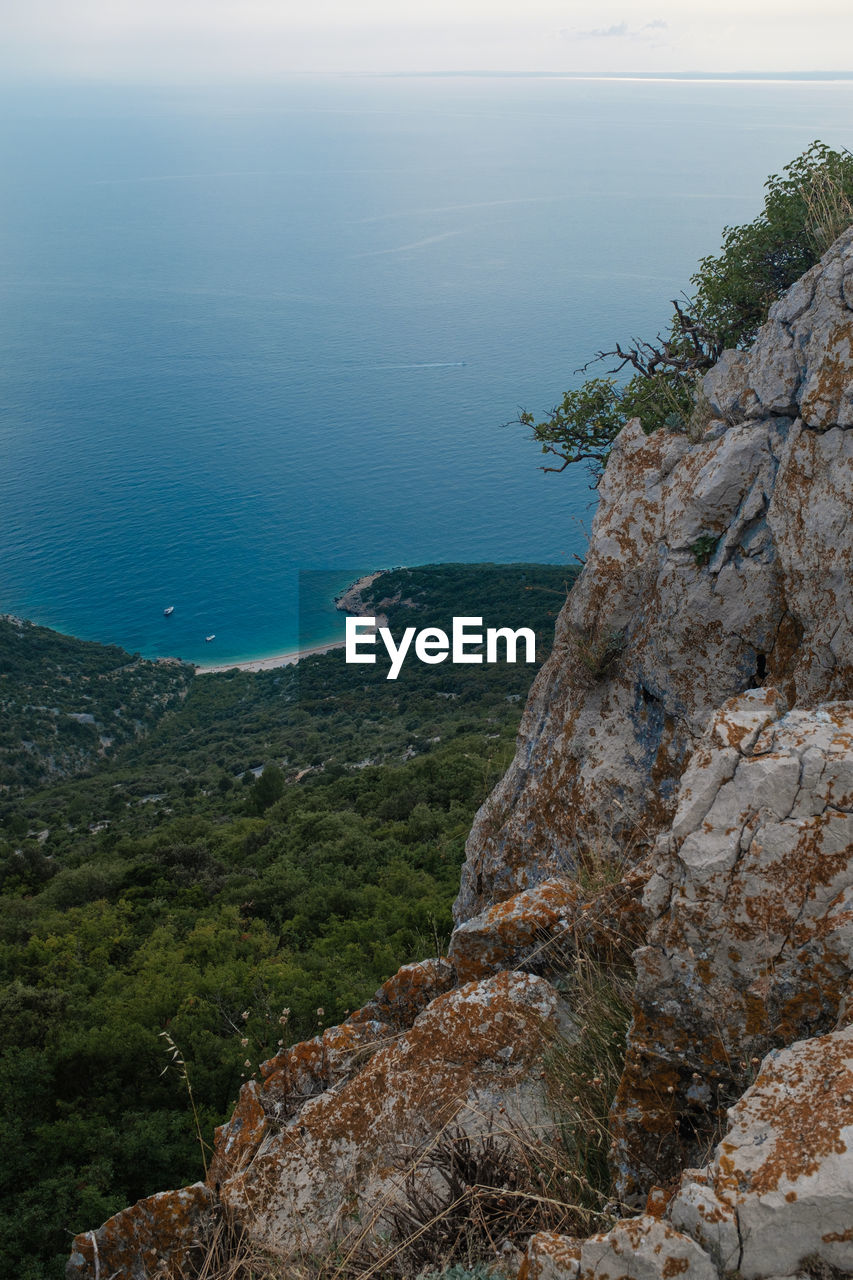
(431, 364)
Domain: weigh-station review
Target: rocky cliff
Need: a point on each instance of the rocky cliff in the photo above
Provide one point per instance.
(712, 567)
(683, 785)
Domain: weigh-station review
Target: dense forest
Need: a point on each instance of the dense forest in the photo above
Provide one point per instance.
(65, 704)
(241, 867)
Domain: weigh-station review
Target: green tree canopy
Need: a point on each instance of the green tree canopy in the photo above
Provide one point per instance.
(806, 208)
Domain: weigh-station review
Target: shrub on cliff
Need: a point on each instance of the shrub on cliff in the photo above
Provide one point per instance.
(806, 208)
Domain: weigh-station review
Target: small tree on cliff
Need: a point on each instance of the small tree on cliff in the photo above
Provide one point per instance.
(806, 208)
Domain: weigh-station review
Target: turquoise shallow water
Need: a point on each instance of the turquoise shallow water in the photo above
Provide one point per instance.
(251, 333)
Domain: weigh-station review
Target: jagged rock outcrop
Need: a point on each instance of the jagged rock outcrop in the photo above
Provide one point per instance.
(164, 1230)
(339, 1166)
(165, 1226)
(752, 944)
(310, 1068)
(329, 1168)
(643, 1248)
(540, 929)
(515, 932)
(551, 1256)
(712, 567)
(775, 1201)
(695, 723)
(778, 1194)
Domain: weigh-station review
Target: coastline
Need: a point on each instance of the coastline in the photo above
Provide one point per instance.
(349, 601)
(270, 663)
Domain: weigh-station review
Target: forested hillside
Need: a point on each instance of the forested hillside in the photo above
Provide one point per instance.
(247, 872)
(66, 704)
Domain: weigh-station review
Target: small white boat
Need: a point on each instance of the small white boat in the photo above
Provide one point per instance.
(207, 639)
(167, 613)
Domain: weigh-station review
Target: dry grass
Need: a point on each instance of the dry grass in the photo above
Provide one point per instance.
(470, 1200)
(176, 1063)
(582, 1075)
(226, 1253)
(830, 210)
(598, 648)
(604, 850)
(474, 1200)
(482, 1198)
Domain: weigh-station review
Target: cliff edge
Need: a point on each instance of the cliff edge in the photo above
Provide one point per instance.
(712, 567)
(690, 741)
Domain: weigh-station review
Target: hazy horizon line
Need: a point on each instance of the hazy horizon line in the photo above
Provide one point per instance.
(781, 75)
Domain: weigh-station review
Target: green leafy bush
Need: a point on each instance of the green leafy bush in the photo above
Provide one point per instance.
(582, 427)
(704, 547)
(806, 208)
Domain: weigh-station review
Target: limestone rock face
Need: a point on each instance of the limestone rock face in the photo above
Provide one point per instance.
(550, 1256)
(779, 1191)
(775, 1201)
(135, 1241)
(164, 1229)
(540, 928)
(712, 567)
(301, 1072)
(643, 1248)
(333, 1172)
(752, 944)
(513, 932)
(802, 361)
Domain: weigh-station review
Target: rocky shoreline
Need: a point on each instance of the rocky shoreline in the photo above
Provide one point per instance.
(352, 600)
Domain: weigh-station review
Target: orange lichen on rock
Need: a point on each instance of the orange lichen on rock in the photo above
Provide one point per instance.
(644, 1248)
(550, 1256)
(780, 1186)
(511, 932)
(829, 391)
(540, 929)
(754, 944)
(308, 1068)
(137, 1243)
(405, 995)
(468, 1056)
(236, 1142)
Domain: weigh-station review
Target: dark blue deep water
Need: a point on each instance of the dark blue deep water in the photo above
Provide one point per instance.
(247, 333)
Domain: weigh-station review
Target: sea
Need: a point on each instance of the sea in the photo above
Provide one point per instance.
(258, 340)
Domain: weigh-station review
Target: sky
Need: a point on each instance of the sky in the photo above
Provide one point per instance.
(187, 40)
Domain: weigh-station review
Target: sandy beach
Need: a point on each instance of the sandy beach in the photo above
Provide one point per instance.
(268, 664)
(348, 602)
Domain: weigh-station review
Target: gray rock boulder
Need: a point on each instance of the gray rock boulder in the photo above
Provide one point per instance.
(751, 944)
(777, 1198)
(332, 1175)
(643, 1248)
(802, 360)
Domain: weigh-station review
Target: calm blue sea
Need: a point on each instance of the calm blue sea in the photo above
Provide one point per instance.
(248, 333)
